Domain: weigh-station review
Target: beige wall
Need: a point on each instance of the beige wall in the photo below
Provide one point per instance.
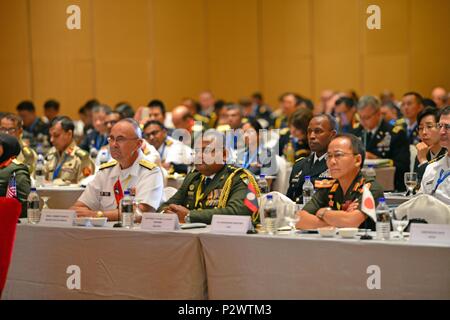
(136, 50)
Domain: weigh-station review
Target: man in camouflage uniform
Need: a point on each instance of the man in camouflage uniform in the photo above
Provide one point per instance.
(66, 163)
(338, 202)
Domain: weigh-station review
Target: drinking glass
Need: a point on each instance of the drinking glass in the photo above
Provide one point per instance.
(410, 181)
(399, 223)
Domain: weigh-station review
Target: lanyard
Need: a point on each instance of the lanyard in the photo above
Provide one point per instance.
(59, 166)
(442, 176)
(99, 142)
(247, 159)
(162, 151)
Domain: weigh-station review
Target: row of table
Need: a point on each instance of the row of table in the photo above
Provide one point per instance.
(197, 264)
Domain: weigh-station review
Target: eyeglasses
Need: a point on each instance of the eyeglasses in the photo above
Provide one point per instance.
(8, 130)
(428, 126)
(339, 155)
(151, 133)
(445, 126)
(119, 139)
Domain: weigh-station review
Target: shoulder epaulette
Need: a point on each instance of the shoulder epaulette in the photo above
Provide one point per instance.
(324, 183)
(169, 142)
(81, 153)
(15, 161)
(147, 164)
(400, 122)
(299, 159)
(284, 131)
(108, 165)
(397, 129)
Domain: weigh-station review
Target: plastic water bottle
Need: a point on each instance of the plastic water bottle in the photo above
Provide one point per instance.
(33, 211)
(39, 173)
(127, 212)
(270, 215)
(370, 172)
(263, 184)
(383, 220)
(93, 153)
(307, 190)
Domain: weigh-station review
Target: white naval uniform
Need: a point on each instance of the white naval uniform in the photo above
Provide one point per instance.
(173, 151)
(431, 176)
(145, 177)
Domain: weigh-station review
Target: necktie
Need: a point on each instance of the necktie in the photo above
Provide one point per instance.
(368, 138)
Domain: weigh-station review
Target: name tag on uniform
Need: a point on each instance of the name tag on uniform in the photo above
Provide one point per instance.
(57, 217)
(105, 194)
(160, 222)
(230, 224)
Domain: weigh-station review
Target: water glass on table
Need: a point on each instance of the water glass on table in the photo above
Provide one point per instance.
(410, 182)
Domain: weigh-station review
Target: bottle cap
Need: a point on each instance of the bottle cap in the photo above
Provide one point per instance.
(307, 177)
(269, 197)
(33, 189)
(262, 176)
(381, 200)
(127, 192)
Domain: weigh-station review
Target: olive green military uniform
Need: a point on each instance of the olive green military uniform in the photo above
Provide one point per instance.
(29, 157)
(74, 165)
(329, 194)
(23, 182)
(224, 194)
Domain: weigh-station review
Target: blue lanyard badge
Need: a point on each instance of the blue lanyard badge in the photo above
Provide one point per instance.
(58, 167)
(98, 142)
(442, 176)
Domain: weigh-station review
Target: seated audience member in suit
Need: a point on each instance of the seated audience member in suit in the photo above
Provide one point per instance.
(381, 140)
(13, 172)
(293, 143)
(97, 138)
(430, 147)
(289, 103)
(321, 130)
(390, 112)
(345, 111)
(440, 97)
(412, 104)
(259, 110)
(338, 202)
(436, 179)
(128, 171)
(51, 110)
(35, 130)
(214, 187)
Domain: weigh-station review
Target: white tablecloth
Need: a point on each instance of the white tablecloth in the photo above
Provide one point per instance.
(115, 264)
(310, 267)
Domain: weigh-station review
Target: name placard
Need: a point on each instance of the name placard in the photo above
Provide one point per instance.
(429, 233)
(230, 224)
(160, 222)
(56, 217)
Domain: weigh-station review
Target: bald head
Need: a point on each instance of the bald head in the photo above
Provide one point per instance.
(439, 96)
(206, 100)
(182, 118)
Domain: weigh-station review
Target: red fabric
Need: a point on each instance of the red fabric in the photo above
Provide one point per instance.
(9, 214)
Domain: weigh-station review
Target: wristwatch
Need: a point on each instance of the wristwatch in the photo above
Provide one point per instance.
(100, 214)
(321, 213)
(187, 218)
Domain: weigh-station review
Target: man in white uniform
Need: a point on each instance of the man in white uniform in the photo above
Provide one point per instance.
(129, 170)
(436, 179)
(175, 156)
